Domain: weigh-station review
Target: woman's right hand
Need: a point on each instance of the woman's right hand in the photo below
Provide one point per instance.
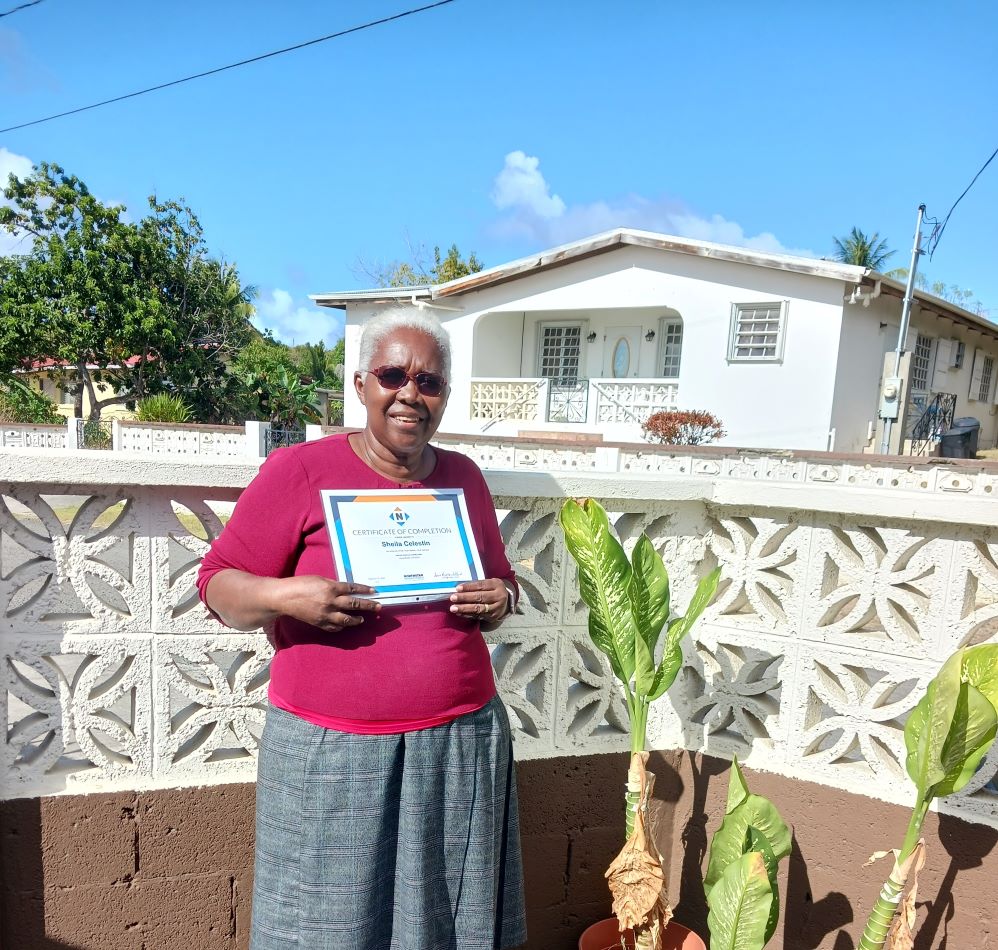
(247, 601)
(321, 602)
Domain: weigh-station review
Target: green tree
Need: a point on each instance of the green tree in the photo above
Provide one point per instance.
(20, 403)
(338, 359)
(137, 308)
(274, 384)
(862, 250)
(954, 293)
(317, 363)
(422, 268)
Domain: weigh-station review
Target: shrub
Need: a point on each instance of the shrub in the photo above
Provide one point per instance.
(19, 403)
(163, 407)
(683, 427)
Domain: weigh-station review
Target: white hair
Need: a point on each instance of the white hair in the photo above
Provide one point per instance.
(384, 324)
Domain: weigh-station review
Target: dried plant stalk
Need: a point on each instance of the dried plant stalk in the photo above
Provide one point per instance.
(636, 876)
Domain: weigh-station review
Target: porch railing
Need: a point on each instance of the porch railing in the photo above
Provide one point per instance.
(592, 402)
(496, 399)
(936, 417)
(632, 400)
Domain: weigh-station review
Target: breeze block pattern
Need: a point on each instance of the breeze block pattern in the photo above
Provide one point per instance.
(845, 584)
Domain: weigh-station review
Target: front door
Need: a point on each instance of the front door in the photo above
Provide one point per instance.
(621, 352)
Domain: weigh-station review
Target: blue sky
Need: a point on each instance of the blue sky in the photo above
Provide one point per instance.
(512, 126)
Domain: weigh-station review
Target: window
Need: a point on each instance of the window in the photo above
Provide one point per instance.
(672, 347)
(982, 376)
(987, 378)
(921, 360)
(757, 331)
(561, 347)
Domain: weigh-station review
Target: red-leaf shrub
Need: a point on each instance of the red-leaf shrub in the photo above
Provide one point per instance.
(683, 427)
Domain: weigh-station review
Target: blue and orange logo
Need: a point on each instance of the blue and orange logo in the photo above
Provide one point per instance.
(399, 517)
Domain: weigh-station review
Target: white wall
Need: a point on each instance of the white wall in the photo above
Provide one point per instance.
(499, 345)
(786, 405)
(817, 629)
(958, 381)
(860, 359)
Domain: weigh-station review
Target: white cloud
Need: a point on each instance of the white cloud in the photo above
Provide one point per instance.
(521, 186)
(532, 213)
(12, 164)
(292, 322)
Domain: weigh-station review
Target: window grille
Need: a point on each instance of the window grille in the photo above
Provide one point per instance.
(987, 377)
(672, 348)
(757, 331)
(920, 360)
(561, 346)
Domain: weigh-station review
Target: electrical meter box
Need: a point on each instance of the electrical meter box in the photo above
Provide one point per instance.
(890, 398)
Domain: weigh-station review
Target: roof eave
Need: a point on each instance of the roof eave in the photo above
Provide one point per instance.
(340, 299)
(942, 308)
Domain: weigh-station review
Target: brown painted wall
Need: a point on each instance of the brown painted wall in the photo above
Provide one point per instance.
(172, 870)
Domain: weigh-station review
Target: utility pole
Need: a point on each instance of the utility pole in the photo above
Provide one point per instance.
(891, 405)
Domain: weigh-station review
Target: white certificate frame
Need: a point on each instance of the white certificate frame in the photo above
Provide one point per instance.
(389, 521)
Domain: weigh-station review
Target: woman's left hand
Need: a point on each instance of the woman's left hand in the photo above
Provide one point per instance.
(481, 600)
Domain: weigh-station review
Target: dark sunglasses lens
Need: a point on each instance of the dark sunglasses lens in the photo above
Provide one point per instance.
(429, 384)
(391, 377)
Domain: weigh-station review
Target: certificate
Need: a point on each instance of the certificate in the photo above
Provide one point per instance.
(410, 546)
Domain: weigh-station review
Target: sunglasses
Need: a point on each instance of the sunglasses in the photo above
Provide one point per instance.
(394, 378)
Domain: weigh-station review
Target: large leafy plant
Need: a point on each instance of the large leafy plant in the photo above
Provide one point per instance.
(631, 623)
(947, 736)
(629, 610)
(741, 886)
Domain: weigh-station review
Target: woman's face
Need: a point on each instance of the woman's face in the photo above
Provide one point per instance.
(403, 420)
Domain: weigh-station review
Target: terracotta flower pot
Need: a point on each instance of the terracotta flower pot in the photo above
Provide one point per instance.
(603, 935)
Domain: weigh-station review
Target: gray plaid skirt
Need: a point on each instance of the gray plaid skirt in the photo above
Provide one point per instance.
(390, 842)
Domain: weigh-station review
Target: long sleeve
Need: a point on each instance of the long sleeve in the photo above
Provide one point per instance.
(264, 534)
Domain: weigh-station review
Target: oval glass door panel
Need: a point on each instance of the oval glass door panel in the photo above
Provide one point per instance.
(621, 358)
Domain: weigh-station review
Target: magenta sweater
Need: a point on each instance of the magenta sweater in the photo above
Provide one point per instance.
(406, 668)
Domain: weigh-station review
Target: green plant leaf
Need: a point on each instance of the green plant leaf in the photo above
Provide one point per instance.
(649, 591)
(740, 905)
(604, 573)
(644, 667)
(702, 597)
(668, 670)
(726, 846)
(737, 789)
(980, 668)
(974, 725)
(672, 655)
(929, 724)
(755, 840)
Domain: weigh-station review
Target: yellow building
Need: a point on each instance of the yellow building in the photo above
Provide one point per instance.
(54, 380)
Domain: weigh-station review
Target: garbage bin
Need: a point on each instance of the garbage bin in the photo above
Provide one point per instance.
(959, 441)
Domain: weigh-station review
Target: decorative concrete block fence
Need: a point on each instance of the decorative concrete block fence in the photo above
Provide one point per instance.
(846, 582)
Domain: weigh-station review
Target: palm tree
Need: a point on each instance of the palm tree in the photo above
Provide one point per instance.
(861, 250)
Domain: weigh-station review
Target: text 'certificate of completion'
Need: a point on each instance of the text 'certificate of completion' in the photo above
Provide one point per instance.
(411, 546)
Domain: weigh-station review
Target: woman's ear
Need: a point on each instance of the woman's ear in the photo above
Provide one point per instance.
(358, 385)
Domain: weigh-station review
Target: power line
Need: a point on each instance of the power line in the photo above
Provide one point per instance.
(937, 231)
(222, 69)
(23, 6)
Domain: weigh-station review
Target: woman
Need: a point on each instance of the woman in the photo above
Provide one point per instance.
(386, 801)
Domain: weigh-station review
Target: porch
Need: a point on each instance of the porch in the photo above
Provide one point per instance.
(600, 370)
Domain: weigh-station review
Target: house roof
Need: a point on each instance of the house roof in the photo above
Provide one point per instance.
(631, 237)
(590, 247)
(47, 363)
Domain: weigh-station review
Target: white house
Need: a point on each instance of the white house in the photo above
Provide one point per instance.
(788, 352)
